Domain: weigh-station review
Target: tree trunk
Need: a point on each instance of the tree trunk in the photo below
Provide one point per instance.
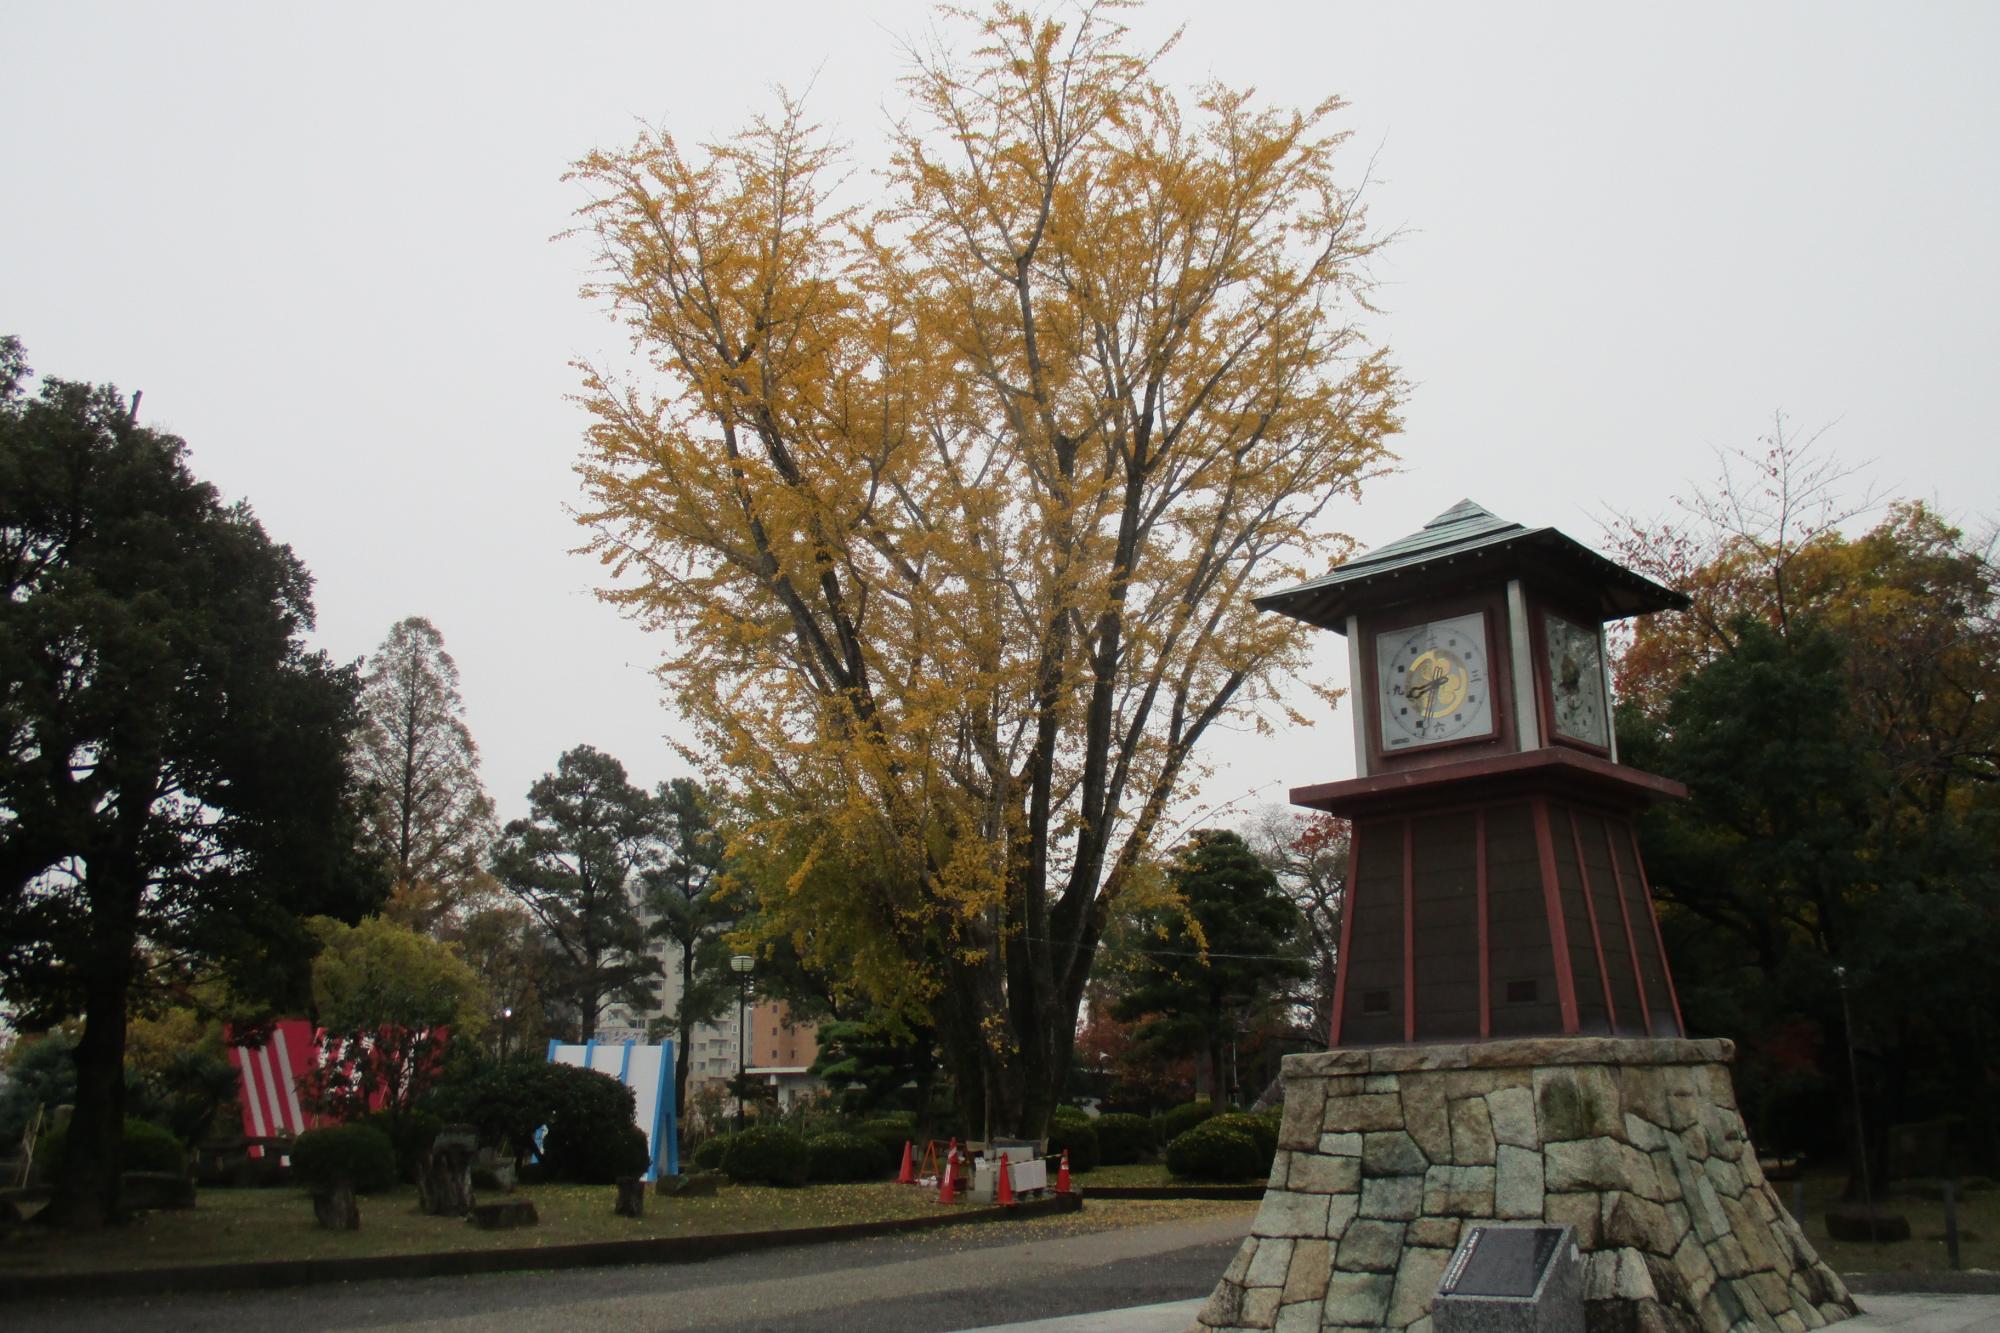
(335, 1208)
(87, 1195)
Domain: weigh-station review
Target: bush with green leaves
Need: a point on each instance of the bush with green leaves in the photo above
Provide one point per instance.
(359, 1155)
(1073, 1131)
(1222, 1149)
(144, 1146)
(1264, 1129)
(767, 1155)
(586, 1114)
(1181, 1119)
(836, 1157)
(892, 1133)
(710, 1153)
(410, 1135)
(1123, 1138)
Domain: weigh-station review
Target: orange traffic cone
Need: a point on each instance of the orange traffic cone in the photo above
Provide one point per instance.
(908, 1175)
(1003, 1185)
(948, 1177)
(1062, 1174)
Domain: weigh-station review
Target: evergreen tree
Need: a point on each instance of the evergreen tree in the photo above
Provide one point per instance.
(174, 780)
(1216, 957)
(574, 863)
(683, 894)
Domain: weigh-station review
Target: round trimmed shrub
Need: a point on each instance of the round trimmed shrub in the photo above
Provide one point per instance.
(595, 1154)
(1261, 1128)
(892, 1134)
(1122, 1138)
(767, 1155)
(1219, 1151)
(1181, 1119)
(360, 1155)
(1073, 1131)
(836, 1157)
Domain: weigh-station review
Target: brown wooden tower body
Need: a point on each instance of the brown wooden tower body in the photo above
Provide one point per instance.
(1495, 885)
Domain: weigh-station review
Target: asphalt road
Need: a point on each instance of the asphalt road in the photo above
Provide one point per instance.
(931, 1283)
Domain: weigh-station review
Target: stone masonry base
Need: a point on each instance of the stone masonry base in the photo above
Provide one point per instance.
(1386, 1153)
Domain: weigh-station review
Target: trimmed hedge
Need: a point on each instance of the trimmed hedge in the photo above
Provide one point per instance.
(1181, 1119)
(1221, 1149)
(1262, 1129)
(767, 1155)
(144, 1146)
(596, 1154)
(411, 1139)
(359, 1154)
(837, 1157)
(710, 1153)
(892, 1132)
(1123, 1138)
(1073, 1130)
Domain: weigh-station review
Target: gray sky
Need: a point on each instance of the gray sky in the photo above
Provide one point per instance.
(320, 240)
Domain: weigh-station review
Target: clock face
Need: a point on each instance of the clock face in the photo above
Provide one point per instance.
(1576, 681)
(1432, 682)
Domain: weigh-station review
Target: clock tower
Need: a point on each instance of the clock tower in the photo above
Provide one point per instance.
(1495, 886)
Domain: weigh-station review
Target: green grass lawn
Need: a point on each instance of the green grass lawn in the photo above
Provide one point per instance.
(237, 1226)
(1924, 1252)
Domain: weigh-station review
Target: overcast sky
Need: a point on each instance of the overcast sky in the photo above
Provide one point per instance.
(321, 240)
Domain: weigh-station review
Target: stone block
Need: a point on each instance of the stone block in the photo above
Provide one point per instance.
(1463, 1083)
(1398, 1197)
(1577, 1103)
(1298, 1318)
(1517, 1183)
(1312, 1265)
(1358, 1300)
(1579, 1212)
(1459, 1191)
(1426, 1118)
(1416, 1286)
(1433, 1233)
(1286, 1213)
(1512, 1111)
(1644, 1134)
(1340, 1214)
(1392, 1153)
(1406, 1059)
(1225, 1303)
(1636, 1223)
(505, 1214)
(1313, 1174)
(1381, 1083)
(1325, 1064)
(1371, 1247)
(1362, 1112)
(1259, 1308)
(1305, 1108)
(1667, 1181)
(1722, 1174)
(1271, 1266)
(1239, 1267)
(1340, 1145)
(1471, 1132)
(1593, 1164)
(1642, 1091)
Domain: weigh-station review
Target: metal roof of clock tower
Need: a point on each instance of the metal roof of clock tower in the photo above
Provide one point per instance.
(1465, 546)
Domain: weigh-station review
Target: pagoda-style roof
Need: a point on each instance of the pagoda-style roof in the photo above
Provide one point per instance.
(1463, 546)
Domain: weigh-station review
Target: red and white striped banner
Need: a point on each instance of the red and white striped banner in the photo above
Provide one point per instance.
(270, 1075)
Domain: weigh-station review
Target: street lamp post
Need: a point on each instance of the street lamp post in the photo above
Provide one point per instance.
(741, 964)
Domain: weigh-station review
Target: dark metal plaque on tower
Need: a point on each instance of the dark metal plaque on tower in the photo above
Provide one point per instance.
(1502, 1279)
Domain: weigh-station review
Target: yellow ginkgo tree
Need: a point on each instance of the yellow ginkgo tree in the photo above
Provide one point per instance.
(953, 505)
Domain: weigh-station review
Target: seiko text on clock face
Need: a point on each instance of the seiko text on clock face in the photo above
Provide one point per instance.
(1433, 682)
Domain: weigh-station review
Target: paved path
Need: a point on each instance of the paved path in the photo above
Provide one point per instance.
(930, 1283)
